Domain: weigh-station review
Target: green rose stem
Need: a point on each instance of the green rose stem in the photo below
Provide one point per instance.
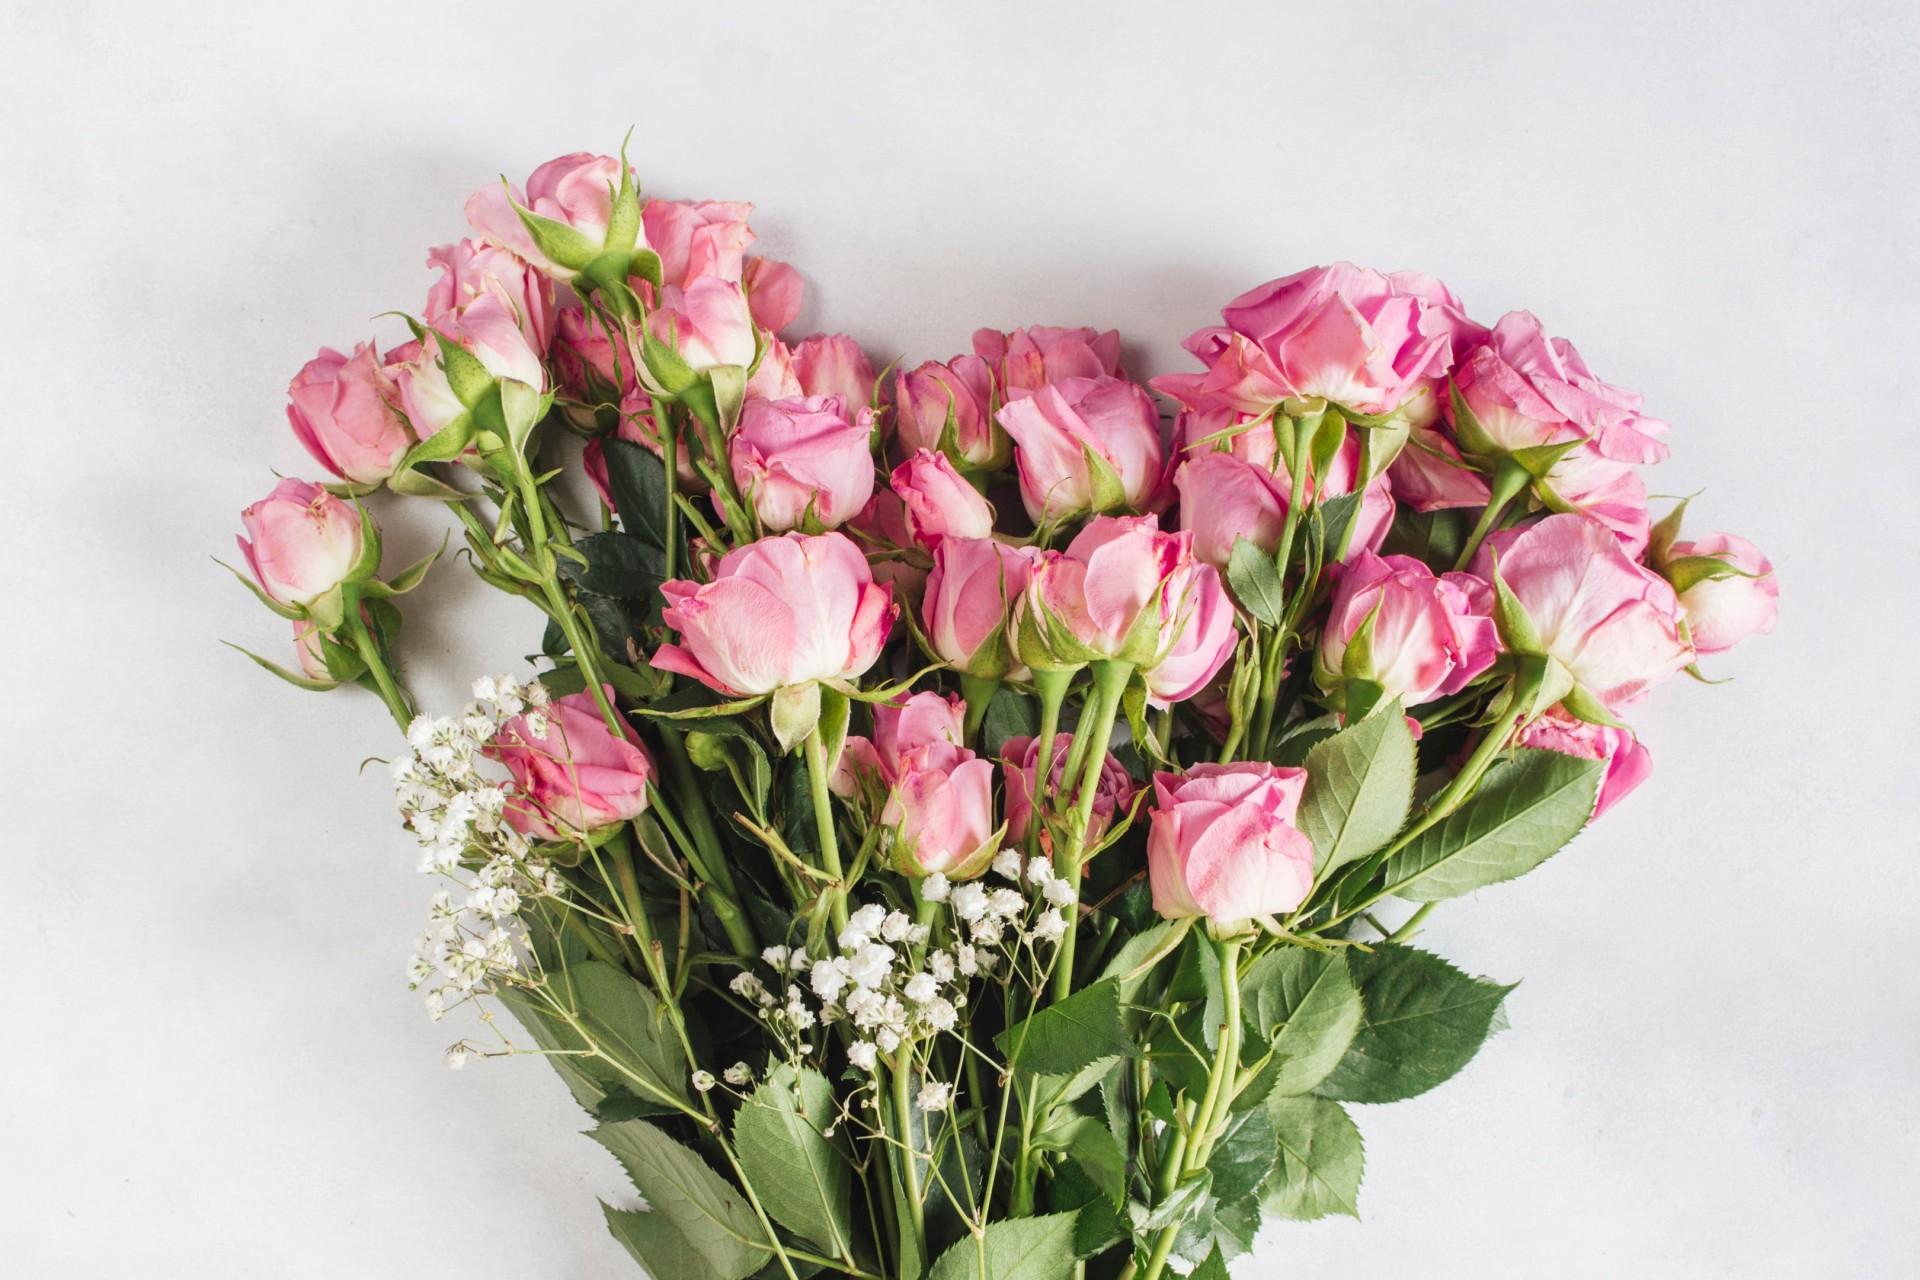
(1509, 478)
(816, 752)
(978, 692)
(370, 653)
(1110, 676)
(907, 1159)
(706, 853)
(1052, 687)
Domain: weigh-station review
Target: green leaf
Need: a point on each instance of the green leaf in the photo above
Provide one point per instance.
(1077, 1032)
(1242, 1157)
(559, 243)
(618, 565)
(1010, 715)
(1086, 1141)
(1436, 538)
(1333, 522)
(1526, 809)
(698, 1226)
(1012, 1249)
(408, 578)
(802, 1178)
(1423, 1021)
(1359, 786)
(1321, 1159)
(1256, 582)
(639, 482)
(296, 680)
(624, 1020)
(1213, 1267)
(1303, 1004)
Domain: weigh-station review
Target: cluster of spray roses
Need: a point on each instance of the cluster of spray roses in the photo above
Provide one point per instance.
(854, 638)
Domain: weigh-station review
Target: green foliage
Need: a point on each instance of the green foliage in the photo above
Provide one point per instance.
(698, 1226)
(638, 481)
(803, 1179)
(1320, 1160)
(1423, 1021)
(1436, 538)
(1077, 1032)
(1525, 810)
(1303, 1005)
(1256, 582)
(1359, 787)
(1039, 1248)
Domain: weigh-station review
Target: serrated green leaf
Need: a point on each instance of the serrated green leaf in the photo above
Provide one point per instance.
(1213, 1267)
(1526, 809)
(618, 565)
(1359, 787)
(1086, 1142)
(1039, 1248)
(698, 1226)
(1256, 582)
(1321, 1160)
(1242, 1157)
(1077, 1032)
(1011, 714)
(624, 1022)
(1304, 1005)
(639, 482)
(1423, 1020)
(803, 1179)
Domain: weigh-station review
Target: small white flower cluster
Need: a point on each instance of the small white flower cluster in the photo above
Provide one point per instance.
(874, 984)
(992, 917)
(457, 814)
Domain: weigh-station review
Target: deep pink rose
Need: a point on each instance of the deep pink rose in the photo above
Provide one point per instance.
(778, 613)
(1113, 792)
(775, 292)
(1527, 389)
(832, 364)
(1223, 499)
(588, 364)
(1055, 430)
(1610, 622)
(574, 778)
(902, 728)
(941, 813)
(802, 463)
(1722, 612)
(707, 322)
(339, 408)
(1628, 762)
(1223, 844)
(1428, 636)
(576, 190)
(969, 594)
(489, 332)
(939, 503)
(472, 269)
(697, 238)
(960, 392)
(301, 542)
(1028, 359)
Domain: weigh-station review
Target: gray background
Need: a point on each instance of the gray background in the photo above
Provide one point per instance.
(211, 1066)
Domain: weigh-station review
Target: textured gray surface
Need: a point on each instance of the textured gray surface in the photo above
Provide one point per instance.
(212, 1068)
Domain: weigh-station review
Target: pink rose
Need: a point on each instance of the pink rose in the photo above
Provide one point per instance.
(801, 463)
(1222, 842)
(1113, 792)
(697, 238)
(832, 364)
(941, 813)
(588, 364)
(301, 542)
(1609, 622)
(1722, 612)
(902, 728)
(708, 323)
(1426, 638)
(775, 292)
(1031, 358)
(967, 604)
(774, 377)
(307, 642)
(1628, 763)
(958, 394)
(1223, 499)
(472, 269)
(1357, 338)
(339, 409)
(939, 503)
(488, 331)
(1201, 648)
(881, 531)
(778, 613)
(574, 778)
(575, 190)
(1085, 444)
(1609, 491)
(1527, 389)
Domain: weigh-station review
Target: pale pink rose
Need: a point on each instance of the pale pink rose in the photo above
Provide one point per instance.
(1607, 620)
(775, 291)
(488, 331)
(1113, 791)
(1360, 339)
(1721, 613)
(339, 409)
(1031, 358)
(577, 776)
(1222, 842)
(471, 269)
(1610, 491)
(306, 647)
(1527, 389)
(1429, 637)
(902, 728)
(969, 594)
(801, 462)
(774, 377)
(576, 190)
(697, 238)
(1628, 762)
(939, 503)
(301, 541)
(1056, 428)
(708, 323)
(941, 812)
(832, 364)
(1223, 499)
(1429, 474)
(1123, 589)
(1202, 648)
(961, 391)
(778, 612)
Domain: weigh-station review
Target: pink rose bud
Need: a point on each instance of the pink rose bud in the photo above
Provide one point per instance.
(488, 331)
(1527, 389)
(775, 292)
(575, 190)
(472, 269)
(1609, 622)
(1422, 637)
(1628, 762)
(340, 410)
(969, 593)
(1224, 499)
(1202, 647)
(881, 531)
(697, 238)
(941, 813)
(1360, 339)
(939, 503)
(307, 641)
(958, 396)
(901, 728)
(1113, 792)
(1085, 444)
(832, 364)
(589, 365)
(1222, 843)
(801, 463)
(1721, 612)
(707, 323)
(574, 778)
(301, 542)
(778, 613)
(1031, 358)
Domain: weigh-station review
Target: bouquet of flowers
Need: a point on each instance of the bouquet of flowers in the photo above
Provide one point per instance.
(958, 827)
